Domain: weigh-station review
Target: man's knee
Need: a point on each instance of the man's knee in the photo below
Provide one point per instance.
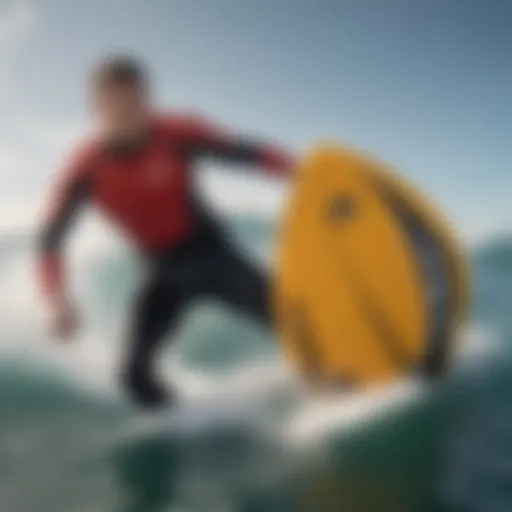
(248, 288)
(257, 300)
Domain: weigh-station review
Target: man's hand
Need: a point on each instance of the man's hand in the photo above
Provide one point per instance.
(278, 161)
(63, 322)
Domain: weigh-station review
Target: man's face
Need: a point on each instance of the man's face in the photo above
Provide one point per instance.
(121, 108)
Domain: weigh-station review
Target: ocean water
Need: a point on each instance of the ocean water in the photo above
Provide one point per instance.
(69, 441)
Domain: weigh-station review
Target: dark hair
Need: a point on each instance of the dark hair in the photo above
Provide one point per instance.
(119, 70)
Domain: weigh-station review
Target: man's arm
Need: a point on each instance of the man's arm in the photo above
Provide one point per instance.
(66, 198)
(206, 140)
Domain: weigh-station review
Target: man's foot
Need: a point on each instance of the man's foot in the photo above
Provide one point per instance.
(148, 393)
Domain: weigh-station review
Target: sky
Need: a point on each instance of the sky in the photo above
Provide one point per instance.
(425, 86)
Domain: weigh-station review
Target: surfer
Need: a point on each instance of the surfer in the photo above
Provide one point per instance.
(138, 171)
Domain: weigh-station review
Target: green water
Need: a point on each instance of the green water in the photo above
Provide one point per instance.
(63, 448)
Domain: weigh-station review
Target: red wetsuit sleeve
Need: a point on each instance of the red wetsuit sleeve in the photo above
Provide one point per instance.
(205, 139)
(67, 194)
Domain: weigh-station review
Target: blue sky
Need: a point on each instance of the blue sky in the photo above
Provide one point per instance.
(424, 85)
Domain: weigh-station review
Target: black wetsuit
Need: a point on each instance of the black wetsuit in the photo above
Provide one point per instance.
(207, 265)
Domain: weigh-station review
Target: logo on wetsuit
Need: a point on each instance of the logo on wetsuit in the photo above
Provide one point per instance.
(159, 172)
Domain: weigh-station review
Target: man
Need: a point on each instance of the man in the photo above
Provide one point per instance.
(138, 171)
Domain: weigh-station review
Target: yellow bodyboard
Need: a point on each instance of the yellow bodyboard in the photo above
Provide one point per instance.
(353, 300)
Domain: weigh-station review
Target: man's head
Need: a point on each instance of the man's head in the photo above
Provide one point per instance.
(120, 95)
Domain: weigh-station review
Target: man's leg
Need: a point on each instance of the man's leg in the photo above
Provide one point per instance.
(241, 284)
(157, 310)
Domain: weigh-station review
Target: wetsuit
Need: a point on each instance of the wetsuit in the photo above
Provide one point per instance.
(146, 188)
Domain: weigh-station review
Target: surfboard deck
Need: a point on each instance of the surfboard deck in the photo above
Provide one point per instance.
(353, 303)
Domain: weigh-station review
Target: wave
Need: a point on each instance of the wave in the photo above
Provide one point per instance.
(66, 426)
(105, 277)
